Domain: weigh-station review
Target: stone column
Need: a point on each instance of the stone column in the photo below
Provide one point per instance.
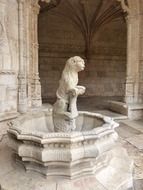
(133, 40)
(36, 86)
(29, 54)
(22, 80)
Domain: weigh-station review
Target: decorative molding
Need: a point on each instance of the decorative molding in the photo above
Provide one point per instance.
(8, 72)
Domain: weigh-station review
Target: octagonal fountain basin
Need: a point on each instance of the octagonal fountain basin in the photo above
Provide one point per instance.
(69, 155)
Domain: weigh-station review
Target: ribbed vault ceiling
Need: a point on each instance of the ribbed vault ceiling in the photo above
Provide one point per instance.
(87, 15)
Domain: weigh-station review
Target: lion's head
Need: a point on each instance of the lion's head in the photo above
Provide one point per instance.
(75, 63)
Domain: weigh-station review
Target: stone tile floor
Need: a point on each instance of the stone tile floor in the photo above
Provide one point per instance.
(130, 136)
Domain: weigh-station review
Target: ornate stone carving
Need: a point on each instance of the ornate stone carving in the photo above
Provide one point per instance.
(7, 72)
(8, 80)
(92, 149)
(65, 108)
(22, 81)
(35, 82)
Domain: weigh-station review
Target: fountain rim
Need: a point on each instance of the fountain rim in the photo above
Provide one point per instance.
(59, 137)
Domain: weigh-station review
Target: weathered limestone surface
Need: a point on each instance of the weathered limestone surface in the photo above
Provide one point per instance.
(19, 78)
(62, 154)
(92, 149)
(8, 56)
(10, 171)
(65, 108)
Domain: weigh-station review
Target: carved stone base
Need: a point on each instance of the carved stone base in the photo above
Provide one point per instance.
(14, 177)
(91, 150)
(113, 166)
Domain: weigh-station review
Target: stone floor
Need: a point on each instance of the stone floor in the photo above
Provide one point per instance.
(12, 175)
(131, 137)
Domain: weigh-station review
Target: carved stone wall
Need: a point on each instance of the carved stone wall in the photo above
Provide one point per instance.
(8, 56)
(105, 71)
(60, 39)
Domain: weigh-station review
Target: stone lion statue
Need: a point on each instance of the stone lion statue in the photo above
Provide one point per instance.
(65, 108)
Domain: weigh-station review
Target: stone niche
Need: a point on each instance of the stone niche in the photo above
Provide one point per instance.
(60, 39)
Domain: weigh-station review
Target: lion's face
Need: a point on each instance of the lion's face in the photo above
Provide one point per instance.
(76, 63)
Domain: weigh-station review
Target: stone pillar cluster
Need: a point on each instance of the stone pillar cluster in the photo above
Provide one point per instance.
(22, 78)
(134, 79)
(29, 84)
(36, 86)
(29, 87)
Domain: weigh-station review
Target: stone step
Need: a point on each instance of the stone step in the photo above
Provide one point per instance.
(114, 115)
(134, 111)
(118, 107)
